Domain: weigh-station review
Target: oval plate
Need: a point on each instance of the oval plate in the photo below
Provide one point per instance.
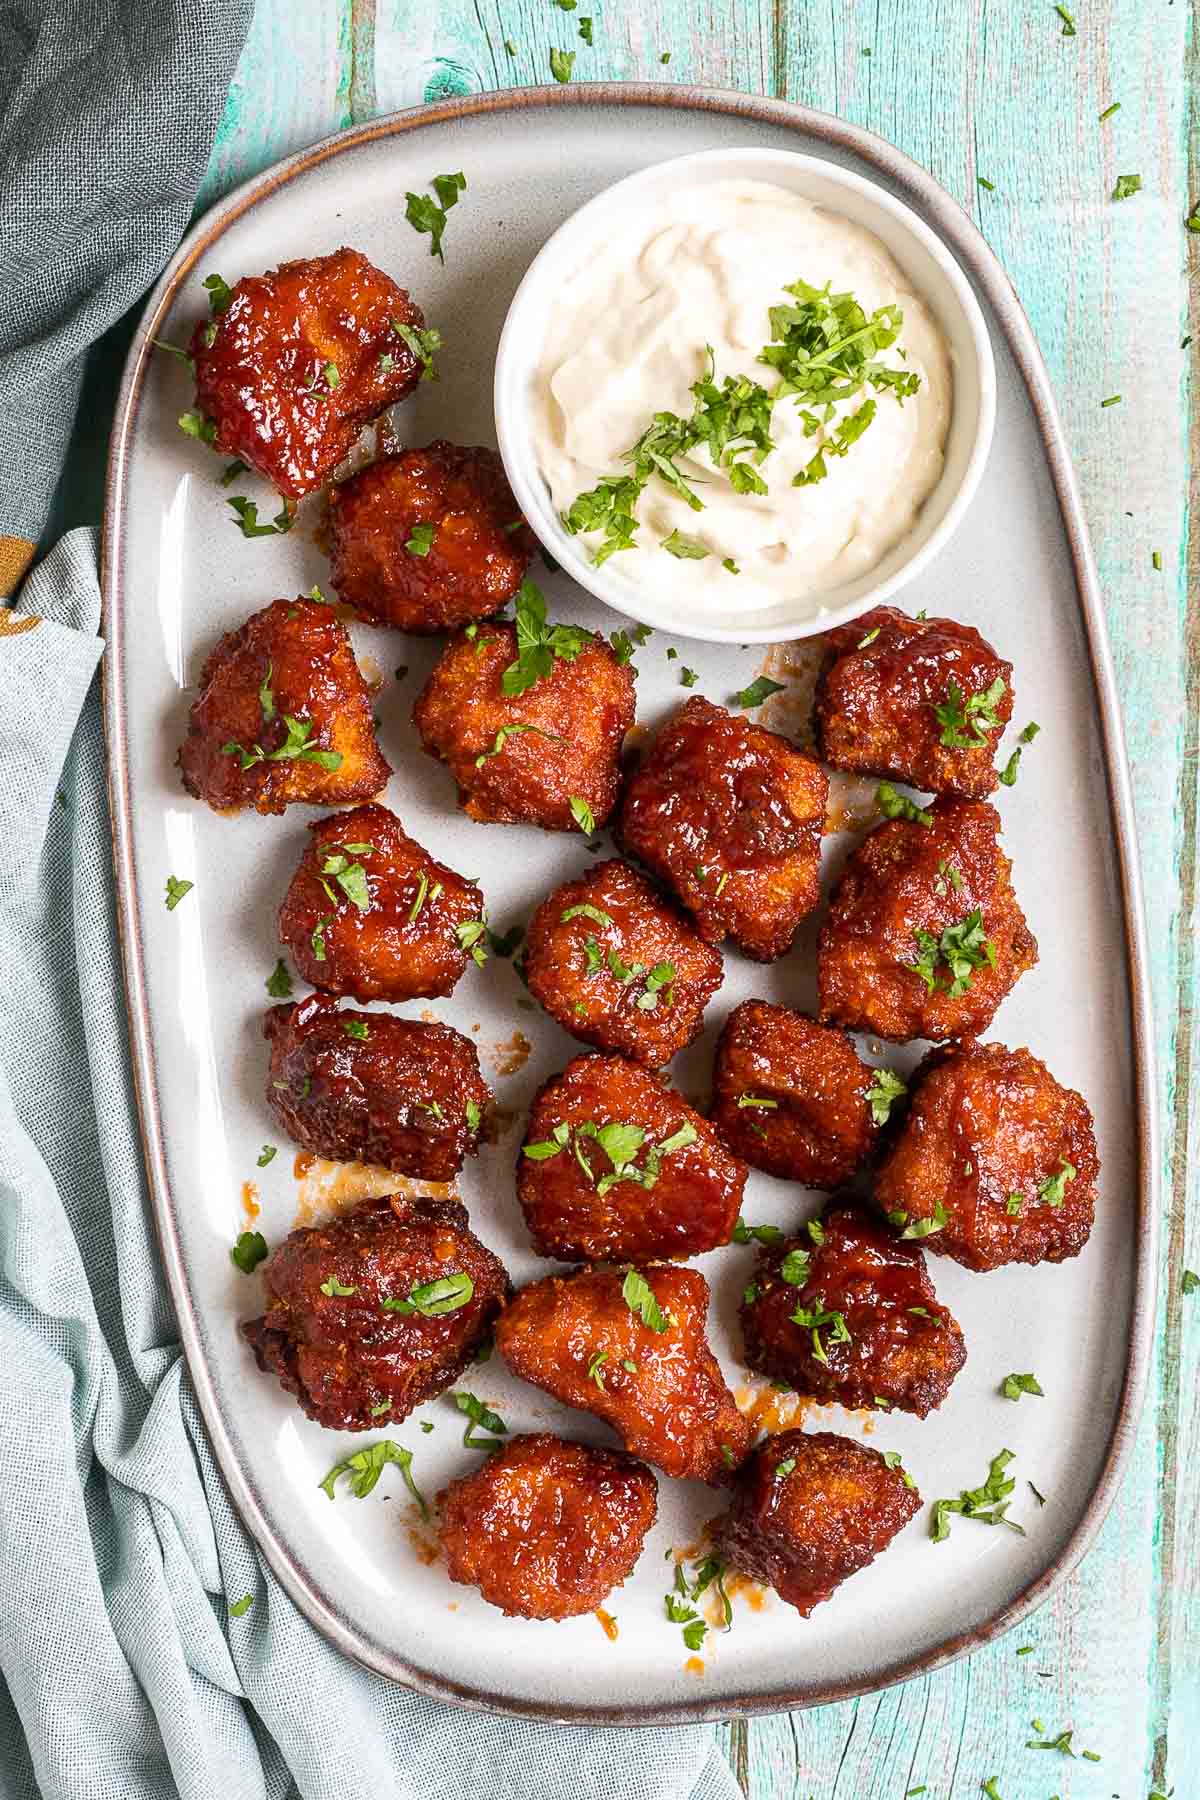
(177, 574)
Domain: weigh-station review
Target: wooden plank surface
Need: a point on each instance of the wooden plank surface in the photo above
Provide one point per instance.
(969, 88)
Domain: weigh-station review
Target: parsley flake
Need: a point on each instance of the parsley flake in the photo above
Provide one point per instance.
(419, 542)
(249, 1251)
(434, 1298)
(426, 215)
(963, 718)
(266, 1155)
(894, 805)
(247, 518)
(963, 948)
(988, 1503)
(583, 815)
(883, 1093)
(638, 1296)
(481, 1417)
(365, 1467)
(241, 1607)
(539, 643)
(1127, 186)
(279, 982)
(176, 890)
(1013, 1386)
(757, 1234)
(562, 62)
(760, 689)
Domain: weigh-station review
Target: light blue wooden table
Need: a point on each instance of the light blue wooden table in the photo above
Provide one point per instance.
(971, 88)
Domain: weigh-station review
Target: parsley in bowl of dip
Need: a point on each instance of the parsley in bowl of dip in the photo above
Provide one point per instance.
(744, 395)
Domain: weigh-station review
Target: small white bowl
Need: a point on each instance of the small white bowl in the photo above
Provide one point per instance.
(934, 275)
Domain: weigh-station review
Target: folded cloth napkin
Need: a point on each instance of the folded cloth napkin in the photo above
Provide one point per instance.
(122, 1676)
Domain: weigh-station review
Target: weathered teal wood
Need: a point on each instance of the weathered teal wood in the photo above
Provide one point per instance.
(969, 88)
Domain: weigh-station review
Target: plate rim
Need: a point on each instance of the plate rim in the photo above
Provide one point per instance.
(950, 220)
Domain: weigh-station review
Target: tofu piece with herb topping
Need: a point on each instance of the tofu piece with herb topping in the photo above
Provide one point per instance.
(629, 1346)
(282, 717)
(924, 701)
(615, 1165)
(290, 365)
(791, 1096)
(428, 539)
(729, 816)
(369, 1087)
(996, 1161)
(924, 936)
(545, 1528)
(846, 1312)
(371, 914)
(530, 720)
(620, 967)
(810, 1510)
(376, 1312)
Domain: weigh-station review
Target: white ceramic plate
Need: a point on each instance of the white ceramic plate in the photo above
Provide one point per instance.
(178, 573)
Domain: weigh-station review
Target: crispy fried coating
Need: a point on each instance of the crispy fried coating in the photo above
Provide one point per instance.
(546, 1529)
(576, 1337)
(521, 759)
(938, 896)
(791, 1096)
(372, 1088)
(280, 699)
(872, 1331)
(811, 1509)
(730, 817)
(332, 1331)
(298, 362)
(882, 679)
(997, 1155)
(619, 966)
(615, 1166)
(392, 571)
(371, 914)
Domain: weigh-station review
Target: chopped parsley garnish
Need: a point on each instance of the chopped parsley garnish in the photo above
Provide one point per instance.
(785, 1467)
(894, 805)
(892, 1457)
(1013, 1386)
(333, 1288)
(317, 939)
(1008, 774)
(621, 1143)
(241, 1607)
(963, 948)
(988, 1503)
(266, 1155)
(794, 1269)
(595, 1369)
(423, 344)
(474, 1116)
(419, 542)
(756, 1234)
(433, 1298)
(1156, 559)
(1062, 1742)
(870, 637)
(350, 876)
(756, 1103)
(249, 1251)
(1053, 1190)
(1109, 111)
(295, 748)
(356, 1028)
(510, 48)
(481, 1416)
(922, 1228)
(585, 910)
(176, 890)
(947, 877)
(472, 937)
(985, 183)
(279, 982)
(232, 470)
(760, 689)
(1127, 186)
(687, 549)
(638, 1296)
(883, 1093)
(427, 215)
(816, 1318)
(1068, 22)
(247, 518)
(1113, 400)
(583, 815)
(585, 27)
(365, 1467)
(174, 350)
(679, 1607)
(561, 64)
(194, 424)
(514, 730)
(1189, 1281)
(963, 718)
(538, 644)
(688, 677)
(219, 293)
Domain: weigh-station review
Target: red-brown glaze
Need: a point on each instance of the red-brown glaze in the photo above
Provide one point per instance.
(899, 881)
(874, 705)
(351, 1363)
(546, 1529)
(722, 804)
(382, 952)
(673, 1407)
(987, 1123)
(570, 963)
(819, 1128)
(690, 1205)
(302, 654)
(260, 365)
(576, 716)
(481, 545)
(862, 1272)
(399, 1097)
(806, 1531)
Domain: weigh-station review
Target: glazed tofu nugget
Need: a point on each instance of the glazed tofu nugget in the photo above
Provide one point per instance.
(615, 1166)
(924, 701)
(428, 539)
(810, 1510)
(924, 936)
(629, 1346)
(847, 1313)
(996, 1161)
(730, 817)
(546, 1529)
(620, 967)
(283, 715)
(791, 1096)
(368, 1087)
(292, 364)
(373, 915)
(531, 737)
(376, 1312)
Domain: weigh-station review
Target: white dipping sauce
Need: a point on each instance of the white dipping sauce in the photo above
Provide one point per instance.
(627, 339)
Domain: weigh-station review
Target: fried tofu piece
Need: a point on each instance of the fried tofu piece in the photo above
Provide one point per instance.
(584, 1339)
(995, 1159)
(791, 1096)
(371, 914)
(299, 359)
(372, 1088)
(924, 701)
(851, 1317)
(811, 1509)
(546, 1529)
(428, 539)
(924, 936)
(616, 1167)
(729, 816)
(283, 716)
(619, 966)
(522, 758)
(376, 1312)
